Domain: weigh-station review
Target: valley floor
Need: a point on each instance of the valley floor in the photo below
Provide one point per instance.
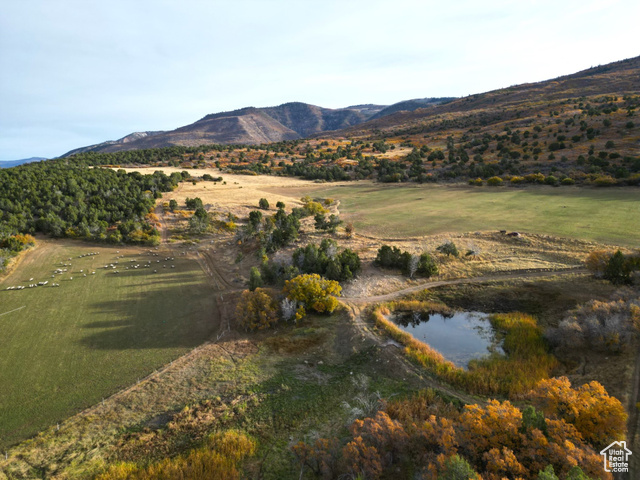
(298, 382)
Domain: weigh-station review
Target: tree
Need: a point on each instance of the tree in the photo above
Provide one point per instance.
(255, 218)
(457, 468)
(448, 248)
(320, 221)
(618, 269)
(256, 310)
(264, 204)
(596, 262)
(194, 203)
(533, 420)
(413, 265)
(388, 257)
(173, 204)
(329, 225)
(427, 266)
(255, 279)
(326, 261)
(280, 205)
(313, 292)
(547, 474)
(291, 310)
(200, 221)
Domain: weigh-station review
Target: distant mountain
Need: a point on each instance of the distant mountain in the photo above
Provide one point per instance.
(15, 163)
(248, 125)
(102, 147)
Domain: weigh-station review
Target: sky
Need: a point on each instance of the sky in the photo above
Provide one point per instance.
(79, 72)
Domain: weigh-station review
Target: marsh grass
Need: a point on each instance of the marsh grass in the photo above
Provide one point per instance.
(526, 359)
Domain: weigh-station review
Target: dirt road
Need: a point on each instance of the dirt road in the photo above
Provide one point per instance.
(513, 275)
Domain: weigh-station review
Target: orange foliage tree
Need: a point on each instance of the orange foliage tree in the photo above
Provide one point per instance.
(423, 436)
(256, 310)
(600, 418)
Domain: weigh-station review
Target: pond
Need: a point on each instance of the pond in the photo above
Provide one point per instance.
(460, 337)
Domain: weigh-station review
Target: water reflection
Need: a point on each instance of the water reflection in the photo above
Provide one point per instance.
(460, 337)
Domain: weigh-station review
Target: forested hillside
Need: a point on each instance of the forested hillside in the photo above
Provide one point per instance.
(68, 199)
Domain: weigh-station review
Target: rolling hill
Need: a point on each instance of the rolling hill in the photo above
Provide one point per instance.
(512, 103)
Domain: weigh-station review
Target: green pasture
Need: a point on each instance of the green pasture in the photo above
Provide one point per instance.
(609, 215)
(65, 348)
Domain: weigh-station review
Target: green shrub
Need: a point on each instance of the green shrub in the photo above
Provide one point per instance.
(449, 249)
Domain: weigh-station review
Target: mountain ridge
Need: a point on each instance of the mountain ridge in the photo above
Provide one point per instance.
(247, 125)
(15, 163)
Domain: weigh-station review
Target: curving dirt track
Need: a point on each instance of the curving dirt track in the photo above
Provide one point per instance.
(487, 278)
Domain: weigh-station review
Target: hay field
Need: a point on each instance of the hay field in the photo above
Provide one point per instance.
(608, 215)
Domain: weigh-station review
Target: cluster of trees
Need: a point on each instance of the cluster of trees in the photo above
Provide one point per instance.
(325, 260)
(262, 308)
(409, 264)
(11, 245)
(194, 203)
(281, 229)
(273, 232)
(200, 221)
(209, 178)
(616, 267)
(327, 224)
(16, 243)
(304, 169)
(425, 437)
(62, 199)
(449, 249)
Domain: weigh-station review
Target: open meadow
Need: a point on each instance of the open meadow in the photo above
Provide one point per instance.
(64, 348)
(602, 215)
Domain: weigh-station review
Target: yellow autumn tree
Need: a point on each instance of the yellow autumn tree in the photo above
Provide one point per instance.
(597, 262)
(313, 292)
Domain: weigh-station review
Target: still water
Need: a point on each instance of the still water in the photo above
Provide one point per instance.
(460, 337)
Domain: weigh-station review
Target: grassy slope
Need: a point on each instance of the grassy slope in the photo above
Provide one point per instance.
(279, 386)
(70, 346)
(603, 215)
